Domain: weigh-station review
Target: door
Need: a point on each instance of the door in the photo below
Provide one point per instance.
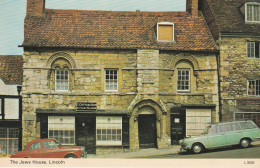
(147, 131)
(177, 125)
(217, 137)
(86, 133)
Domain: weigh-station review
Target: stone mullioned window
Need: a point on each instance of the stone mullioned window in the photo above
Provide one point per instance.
(252, 12)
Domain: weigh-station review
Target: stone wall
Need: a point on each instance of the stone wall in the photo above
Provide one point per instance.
(235, 70)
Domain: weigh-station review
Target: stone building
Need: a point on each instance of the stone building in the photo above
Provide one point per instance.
(117, 81)
(235, 25)
(11, 75)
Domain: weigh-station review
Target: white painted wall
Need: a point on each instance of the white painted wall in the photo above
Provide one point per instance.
(11, 104)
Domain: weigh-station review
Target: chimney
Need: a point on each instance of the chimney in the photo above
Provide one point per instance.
(35, 7)
(192, 6)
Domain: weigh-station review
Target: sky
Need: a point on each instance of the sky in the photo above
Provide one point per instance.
(12, 14)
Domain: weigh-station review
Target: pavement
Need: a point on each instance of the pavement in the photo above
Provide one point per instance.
(150, 152)
(142, 153)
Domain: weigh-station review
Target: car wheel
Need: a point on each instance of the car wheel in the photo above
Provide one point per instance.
(70, 156)
(197, 148)
(245, 143)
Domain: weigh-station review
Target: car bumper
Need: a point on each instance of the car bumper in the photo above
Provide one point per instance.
(183, 147)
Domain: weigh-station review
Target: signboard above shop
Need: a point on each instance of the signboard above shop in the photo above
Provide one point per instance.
(86, 107)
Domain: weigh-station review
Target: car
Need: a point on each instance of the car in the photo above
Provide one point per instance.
(222, 135)
(49, 148)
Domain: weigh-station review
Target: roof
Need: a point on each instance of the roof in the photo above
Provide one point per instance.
(11, 69)
(229, 17)
(115, 29)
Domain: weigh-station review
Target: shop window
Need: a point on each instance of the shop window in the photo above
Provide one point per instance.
(111, 80)
(253, 87)
(252, 12)
(254, 116)
(9, 140)
(108, 130)
(62, 128)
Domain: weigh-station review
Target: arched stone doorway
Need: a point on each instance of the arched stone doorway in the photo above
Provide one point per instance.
(146, 120)
(147, 127)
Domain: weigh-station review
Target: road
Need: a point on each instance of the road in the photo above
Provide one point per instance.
(231, 152)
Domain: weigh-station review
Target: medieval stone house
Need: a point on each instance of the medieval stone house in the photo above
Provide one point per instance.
(113, 80)
(11, 75)
(235, 24)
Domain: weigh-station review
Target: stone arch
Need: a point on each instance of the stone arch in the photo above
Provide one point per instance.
(187, 57)
(148, 103)
(63, 55)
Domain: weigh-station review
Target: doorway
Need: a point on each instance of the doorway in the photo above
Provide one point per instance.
(147, 131)
(177, 125)
(86, 132)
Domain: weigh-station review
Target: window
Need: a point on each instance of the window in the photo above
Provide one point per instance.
(183, 80)
(111, 80)
(49, 144)
(254, 116)
(253, 87)
(62, 80)
(9, 140)
(252, 12)
(253, 49)
(165, 31)
(36, 145)
(109, 130)
(62, 128)
(247, 125)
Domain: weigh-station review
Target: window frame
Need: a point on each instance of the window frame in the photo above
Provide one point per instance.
(181, 69)
(107, 142)
(68, 80)
(157, 32)
(105, 88)
(255, 87)
(248, 52)
(246, 11)
(74, 130)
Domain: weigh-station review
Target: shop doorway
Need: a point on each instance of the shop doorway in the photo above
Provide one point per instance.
(177, 125)
(147, 131)
(85, 133)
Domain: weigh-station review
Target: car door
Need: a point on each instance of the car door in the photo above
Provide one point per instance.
(34, 150)
(50, 150)
(233, 134)
(217, 137)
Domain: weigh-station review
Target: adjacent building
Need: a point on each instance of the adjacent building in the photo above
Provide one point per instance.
(235, 25)
(11, 75)
(117, 80)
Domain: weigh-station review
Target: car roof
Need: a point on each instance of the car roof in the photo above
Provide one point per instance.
(228, 122)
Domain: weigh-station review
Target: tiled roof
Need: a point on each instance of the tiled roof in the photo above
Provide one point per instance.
(229, 17)
(117, 30)
(11, 69)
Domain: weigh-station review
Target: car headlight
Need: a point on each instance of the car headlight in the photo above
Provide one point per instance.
(83, 149)
(181, 141)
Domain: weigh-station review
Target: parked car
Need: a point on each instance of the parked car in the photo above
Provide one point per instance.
(49, 148)
(221, 135)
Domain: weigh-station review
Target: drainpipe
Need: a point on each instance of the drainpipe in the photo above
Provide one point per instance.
(219, 86)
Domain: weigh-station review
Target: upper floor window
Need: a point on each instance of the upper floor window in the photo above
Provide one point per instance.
(62, 73)
(253, 88)
(111, 80)
(165, 31)
(183, 80)
(252, 13)
(253, 49)
(62, 80)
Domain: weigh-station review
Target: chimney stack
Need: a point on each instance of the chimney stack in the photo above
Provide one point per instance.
(35, 7)
(192, 6)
